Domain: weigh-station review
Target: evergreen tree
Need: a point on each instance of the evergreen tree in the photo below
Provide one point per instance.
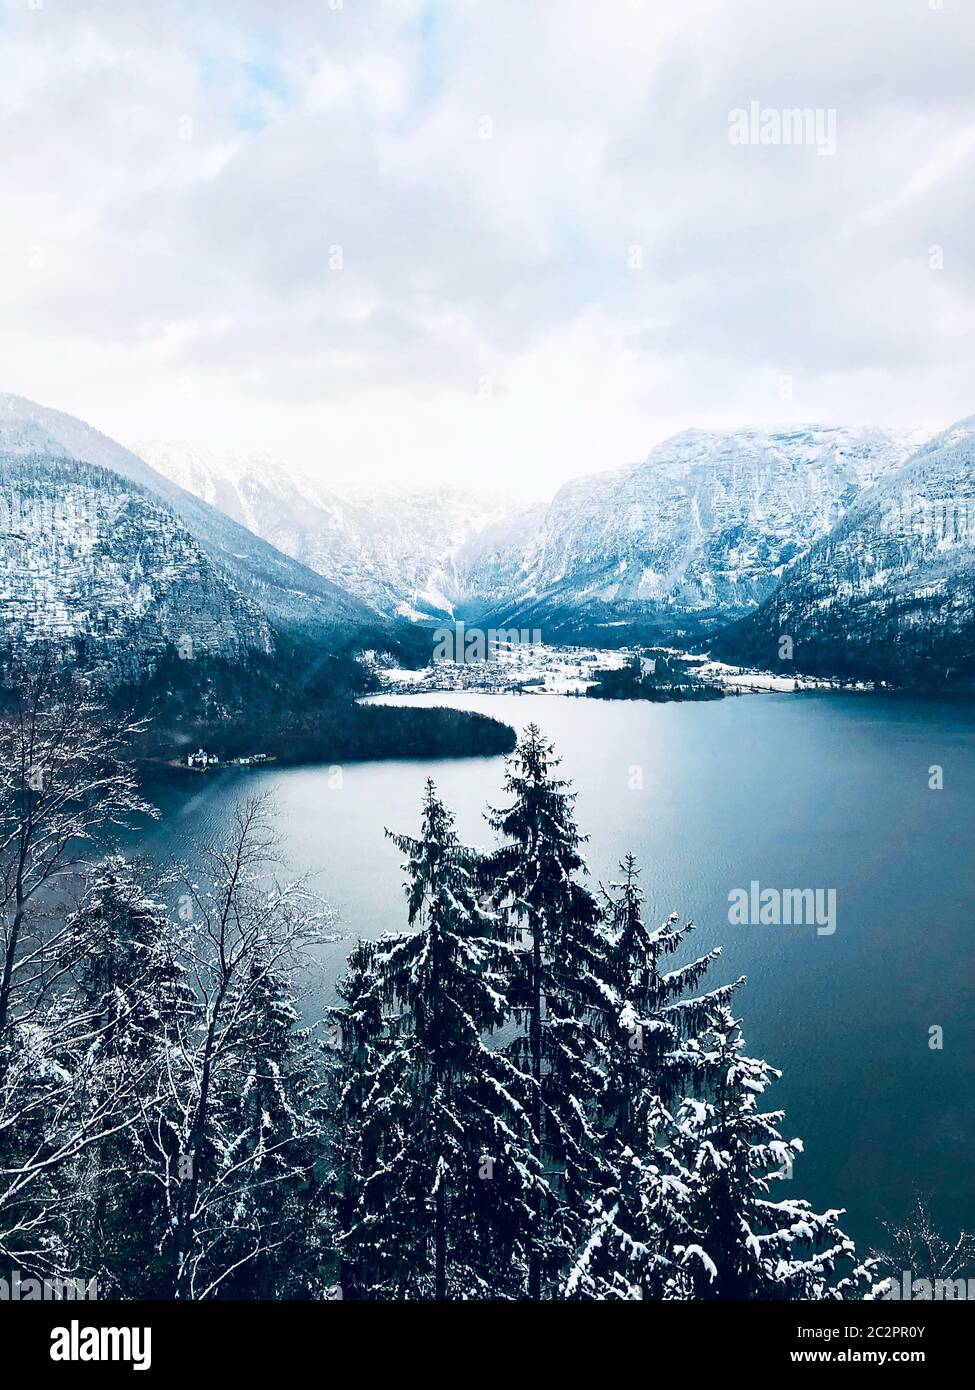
(560, 992)
(653, 1016)
(444, 1166)
(355, 1044)
(270, 1119)
(748, 1246)
(641, 1210)
(130, 1001)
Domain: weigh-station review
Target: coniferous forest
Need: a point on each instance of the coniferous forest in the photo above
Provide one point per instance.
(529, 1090)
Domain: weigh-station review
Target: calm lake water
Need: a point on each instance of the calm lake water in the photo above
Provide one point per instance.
(817, 791)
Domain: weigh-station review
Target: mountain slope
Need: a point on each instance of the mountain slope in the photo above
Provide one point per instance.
(92, 564)
(293, 598)
(698, 532)
(401, 550)
(889, 594)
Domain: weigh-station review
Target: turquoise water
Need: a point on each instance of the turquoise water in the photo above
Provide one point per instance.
(819, 791)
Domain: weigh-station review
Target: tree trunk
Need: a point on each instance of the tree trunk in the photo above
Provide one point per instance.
(535, 1041)
(440, 1292)
(9, 960)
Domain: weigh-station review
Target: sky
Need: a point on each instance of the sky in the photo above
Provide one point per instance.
(498, 243)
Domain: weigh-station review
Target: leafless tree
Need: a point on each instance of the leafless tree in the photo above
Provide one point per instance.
(64, 781)
(46, 1126)
(916, 1245)
(207, 1112)
(213, 1171)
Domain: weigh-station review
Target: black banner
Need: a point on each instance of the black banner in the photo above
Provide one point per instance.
(174, 1339)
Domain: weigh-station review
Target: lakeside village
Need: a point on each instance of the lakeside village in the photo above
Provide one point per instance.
(202, 761)
(517, 661)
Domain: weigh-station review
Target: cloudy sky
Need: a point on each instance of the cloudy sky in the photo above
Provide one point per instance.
(494, 241)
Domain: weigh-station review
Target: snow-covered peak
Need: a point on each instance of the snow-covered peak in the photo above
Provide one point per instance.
(292, 596)
(703, 526)
(890, 592)
(397, 546)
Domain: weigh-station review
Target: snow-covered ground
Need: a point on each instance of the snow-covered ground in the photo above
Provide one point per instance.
(531, 668)
(737, 677)
(536, 668)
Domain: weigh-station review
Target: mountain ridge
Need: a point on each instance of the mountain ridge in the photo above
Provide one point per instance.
(294, 598)
(693, 536)
(92, 565)
(399, 549)
(858, 549)
(889, 594)
(697, 532)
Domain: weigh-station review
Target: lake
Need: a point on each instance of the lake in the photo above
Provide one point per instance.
(795, 791)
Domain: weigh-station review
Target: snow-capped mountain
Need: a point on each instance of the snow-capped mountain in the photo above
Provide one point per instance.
(890, 592)
(403, 550)
(90, 563)
(699, 532)
(102, 545)
(286, 594)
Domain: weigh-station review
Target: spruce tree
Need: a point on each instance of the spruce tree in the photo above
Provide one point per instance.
(355, 1037)
(270, 1115)
(747, 1245)
(654, 1010)
(441, 1118)
(129, 1002)
(642, 1207)
(559, 992)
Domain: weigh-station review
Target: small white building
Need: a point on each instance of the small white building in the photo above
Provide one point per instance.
(201, 758)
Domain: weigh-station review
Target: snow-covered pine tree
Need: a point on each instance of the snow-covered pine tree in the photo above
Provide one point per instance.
(559, 992)
(656, 1011)
(129, 1003)
(446, 1162)
(745, 1244)
(356, 1043)
(271, 1108)
(641, 1210)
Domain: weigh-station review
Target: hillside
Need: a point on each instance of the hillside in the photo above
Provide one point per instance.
(889, 594)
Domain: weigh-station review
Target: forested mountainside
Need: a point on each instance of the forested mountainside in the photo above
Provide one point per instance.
(889, 594)
(839, 539)
(697, 534)
(181, 614)
(91, 564)
(292, 597)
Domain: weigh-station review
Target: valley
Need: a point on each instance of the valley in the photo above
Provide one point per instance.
(854, 545)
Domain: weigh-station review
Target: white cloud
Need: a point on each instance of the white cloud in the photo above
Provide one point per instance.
(175, 180)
